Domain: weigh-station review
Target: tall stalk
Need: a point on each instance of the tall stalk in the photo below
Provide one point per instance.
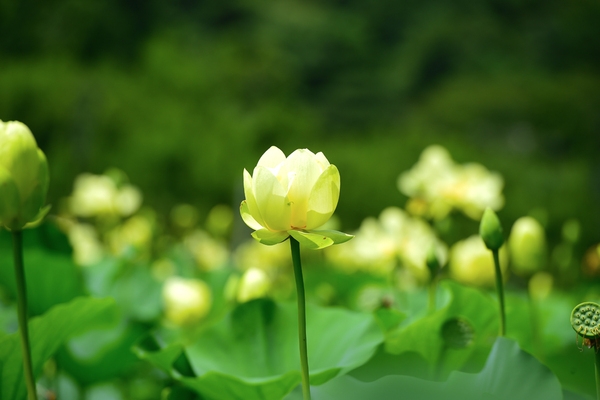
(295, 245)
(500, 290)
(597, 368)
(22, 311)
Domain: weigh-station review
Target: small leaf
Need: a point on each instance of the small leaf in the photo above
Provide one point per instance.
(337, 236)
(268, 237)
(309, 240)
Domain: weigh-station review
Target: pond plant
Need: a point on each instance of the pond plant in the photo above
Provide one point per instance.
(585, 320)
(490, 231)
(128, 304)
(23, 188)
(288, 198)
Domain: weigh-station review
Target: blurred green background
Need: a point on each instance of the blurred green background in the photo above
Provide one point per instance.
(182, 95)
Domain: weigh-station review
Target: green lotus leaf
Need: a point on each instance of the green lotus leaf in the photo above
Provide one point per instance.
(253, 353)
(47, 333)
(509, 373)
(424, 335)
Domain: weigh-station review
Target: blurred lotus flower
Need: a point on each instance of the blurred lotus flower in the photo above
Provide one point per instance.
(292, 196)
(184, 216)
(436, 185)
(87, 248)
(254, 284)
(162, 269)
(373, 250)
(23, 177)
(269, 258)
(274, 261)
(219, 220)
(381, 244)
(527, 246)
(209, 253)
(472, 264)
(186, 301)
(95, 195)
(135, 233)
(414, 239)
(540, 285)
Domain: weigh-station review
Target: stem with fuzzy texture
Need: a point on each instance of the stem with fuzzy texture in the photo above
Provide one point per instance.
(301, 317)
(22, 311)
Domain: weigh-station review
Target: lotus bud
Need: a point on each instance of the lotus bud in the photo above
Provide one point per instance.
(472, 264)
(527, 245)
(186, 301)
(23, 177)
(254, 284)
(490, 230)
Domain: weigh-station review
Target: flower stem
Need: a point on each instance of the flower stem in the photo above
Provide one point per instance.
(22, 311)
(597, 368)
(500, 290)
(301, 317)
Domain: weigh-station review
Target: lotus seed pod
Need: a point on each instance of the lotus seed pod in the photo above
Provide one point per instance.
(490, 230)
(585, 320)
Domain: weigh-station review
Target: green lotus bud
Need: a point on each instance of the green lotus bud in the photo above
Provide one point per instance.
(23, 177)
(490, 230)
(527, 245)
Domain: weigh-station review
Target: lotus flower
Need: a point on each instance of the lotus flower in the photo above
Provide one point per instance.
(292, 196)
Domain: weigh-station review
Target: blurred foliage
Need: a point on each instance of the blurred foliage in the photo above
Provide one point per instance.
(183, 95)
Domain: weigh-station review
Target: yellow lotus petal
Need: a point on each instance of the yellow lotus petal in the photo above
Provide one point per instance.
(248, 218)
(271, 158)
(273, 204)
(9, 200)
(323, 198)
(268, 237)
(19, 155)
(251, 201)
(37, 197)
(303, 171)
(322, 160)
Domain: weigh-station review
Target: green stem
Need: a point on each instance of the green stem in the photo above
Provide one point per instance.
(500, 290)
(22, 311)
(301, 317)
(597, 368)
